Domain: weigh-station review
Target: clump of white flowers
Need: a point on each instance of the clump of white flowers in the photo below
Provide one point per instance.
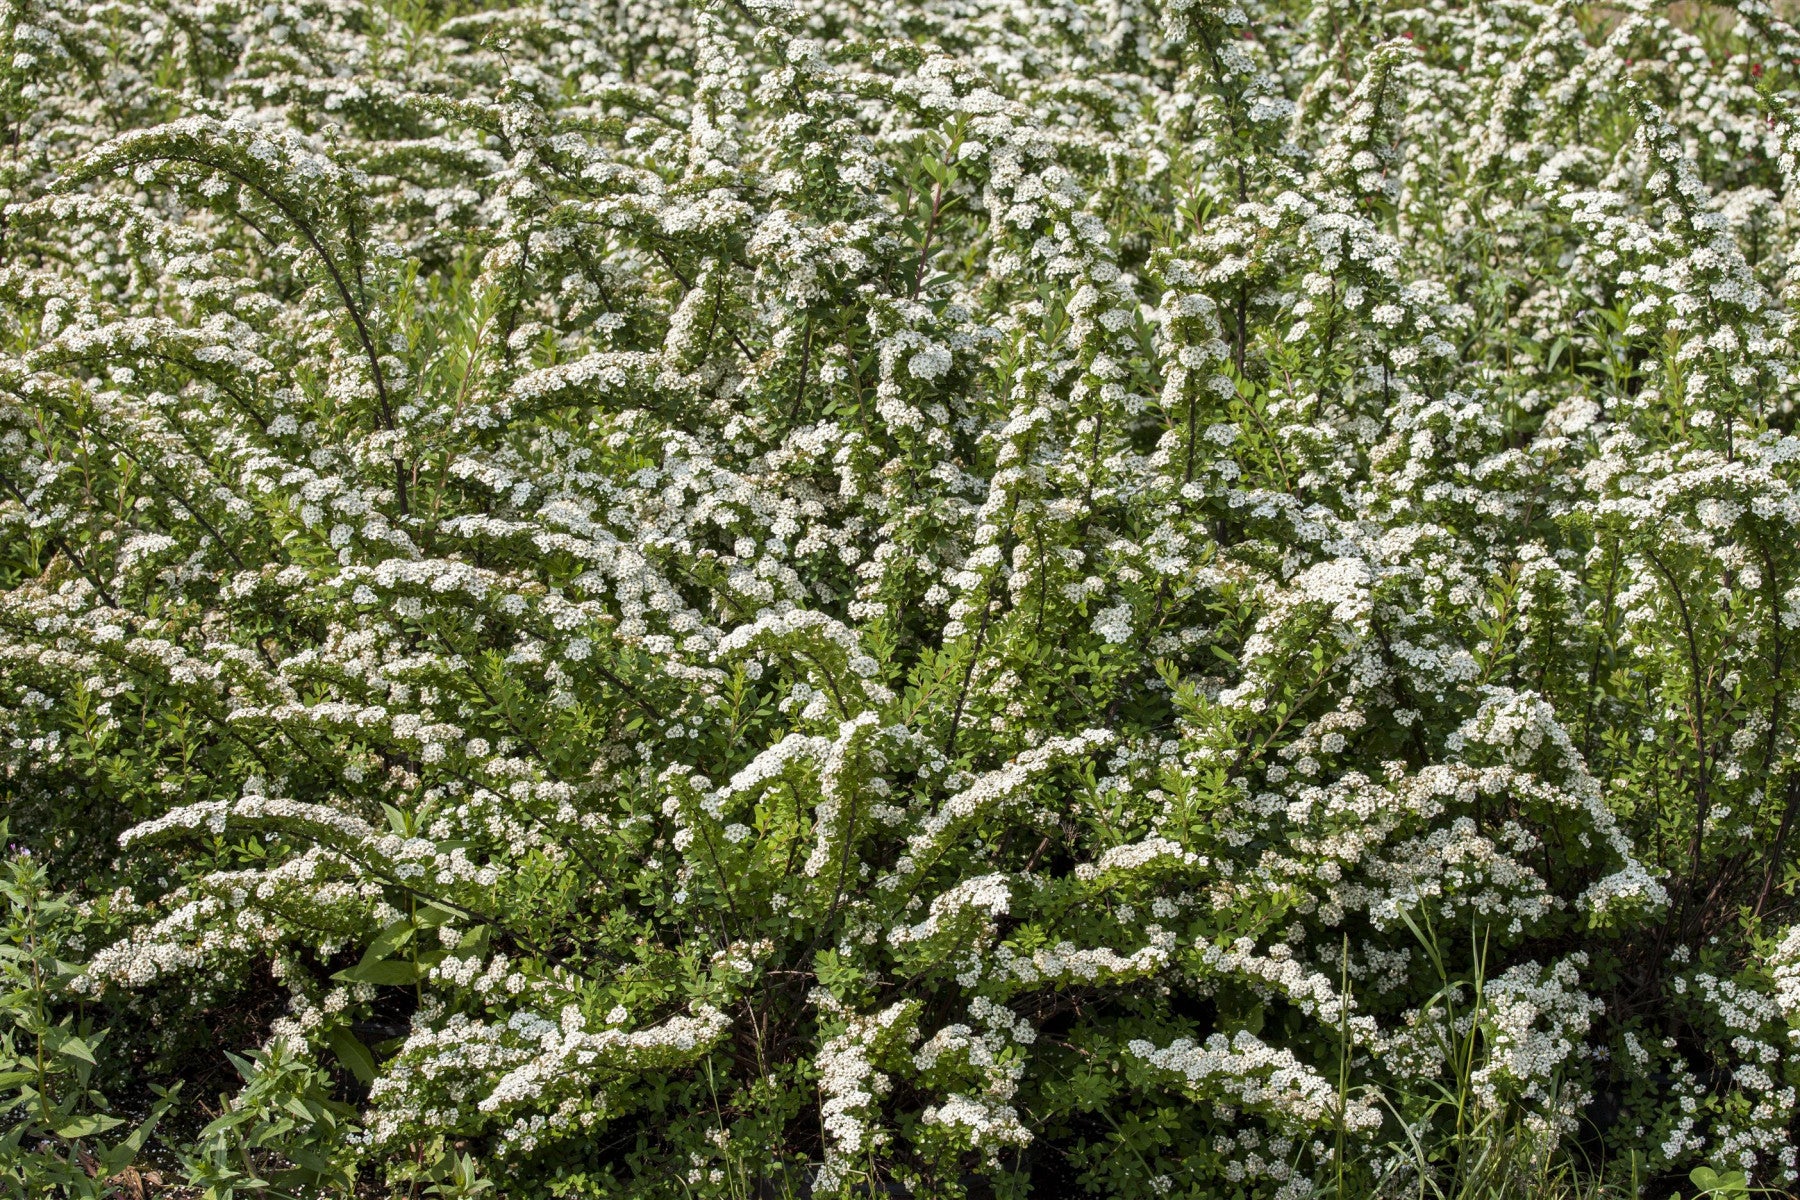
(943, 599)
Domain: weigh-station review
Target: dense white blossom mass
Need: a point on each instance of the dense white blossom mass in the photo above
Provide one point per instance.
(954, 598)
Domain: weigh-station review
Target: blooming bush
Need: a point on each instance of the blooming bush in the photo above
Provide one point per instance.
(1189, 598)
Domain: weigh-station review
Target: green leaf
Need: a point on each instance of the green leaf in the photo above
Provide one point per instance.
(388, 940)
(74, 1047)
(352, 1053)
(87, 1126)
(1711, 1183)
(387, 971)
(397, 820)
(433, 915)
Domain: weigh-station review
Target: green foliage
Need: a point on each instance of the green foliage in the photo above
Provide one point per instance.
(281, 1136)
(61, 1134)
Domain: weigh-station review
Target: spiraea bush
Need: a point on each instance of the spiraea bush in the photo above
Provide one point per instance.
(954, 598)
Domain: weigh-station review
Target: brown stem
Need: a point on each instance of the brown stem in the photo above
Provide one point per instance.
(937, 201)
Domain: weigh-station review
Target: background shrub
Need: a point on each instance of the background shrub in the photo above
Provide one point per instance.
(952, 598)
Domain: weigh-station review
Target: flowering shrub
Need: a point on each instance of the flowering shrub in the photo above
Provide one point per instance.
(1195, 598)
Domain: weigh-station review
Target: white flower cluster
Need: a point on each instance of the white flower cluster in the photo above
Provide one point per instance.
(1258, 1076)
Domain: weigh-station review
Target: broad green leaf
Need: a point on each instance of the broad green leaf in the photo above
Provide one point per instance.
(87, 1126)
(352, 1053)
(387, 971)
